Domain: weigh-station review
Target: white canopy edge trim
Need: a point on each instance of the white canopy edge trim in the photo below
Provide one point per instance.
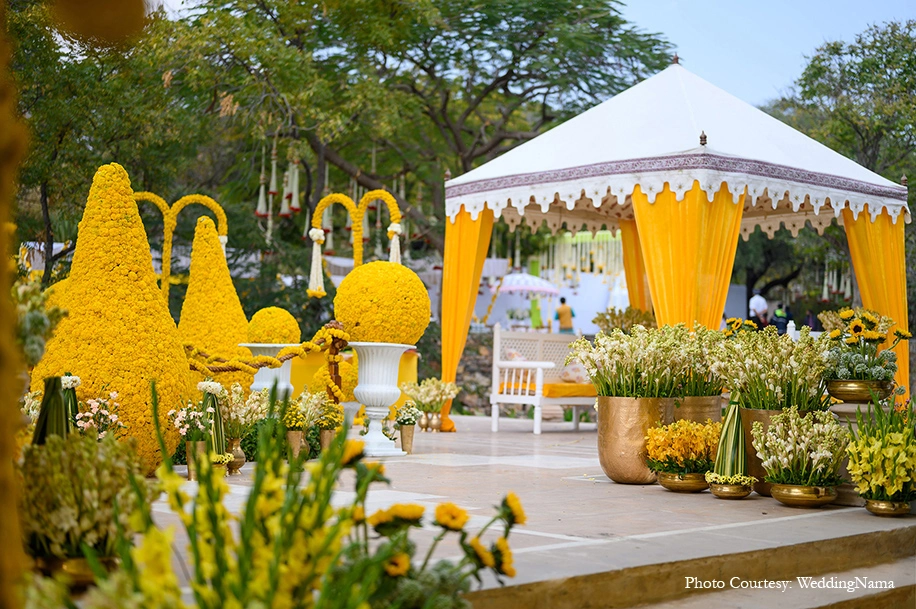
(679, 172)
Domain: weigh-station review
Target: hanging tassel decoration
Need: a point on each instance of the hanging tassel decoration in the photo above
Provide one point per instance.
(825, 294)
(272, 191)
(261, 210)
(287, 196)
(316, 276)
(394, 247)
(294, 205)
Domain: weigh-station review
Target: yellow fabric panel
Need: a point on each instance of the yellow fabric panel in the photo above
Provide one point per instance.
(877, 252)
(634, 267)
(466, 243)
(407, 373)
(689, 251)
(559, 390)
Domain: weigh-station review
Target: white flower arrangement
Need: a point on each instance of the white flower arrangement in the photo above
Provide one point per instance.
(211, 387)
(70, 382)
(240, 414)
(408, 414)
(99, 417)
(316, 235)
(432, 394)
(191, 421)
(31, 405)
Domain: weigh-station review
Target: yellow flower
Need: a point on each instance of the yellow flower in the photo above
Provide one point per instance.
(856, 327)
(353, 451)
(484, 556)
(847, 314)
(380, 517)
(407, 511)
(119, 334)
(872, 335)
(451, 517)
(274, 326)
(504, 557)
(835, 333)
(398, 565)
(852, 340)
(902, 334)
(383, 302)
(377, 468)
(869, 318)
(516, 514)
(359, 514)
(349, 378)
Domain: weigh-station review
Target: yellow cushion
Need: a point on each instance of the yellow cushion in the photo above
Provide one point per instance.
(559, 390)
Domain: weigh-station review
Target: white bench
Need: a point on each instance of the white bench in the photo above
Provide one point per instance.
(526, 381)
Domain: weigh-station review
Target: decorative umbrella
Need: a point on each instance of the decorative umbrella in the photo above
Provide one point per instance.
(523, 283)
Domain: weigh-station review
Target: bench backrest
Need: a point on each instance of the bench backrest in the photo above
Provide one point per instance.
(534, 347)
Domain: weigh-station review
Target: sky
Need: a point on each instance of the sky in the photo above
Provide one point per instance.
(756, 49)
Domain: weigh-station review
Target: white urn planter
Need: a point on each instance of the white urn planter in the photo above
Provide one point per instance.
(265, 378)
(351, 409)
(378, 390)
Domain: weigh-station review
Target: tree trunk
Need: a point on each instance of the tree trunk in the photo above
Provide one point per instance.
(49, 236)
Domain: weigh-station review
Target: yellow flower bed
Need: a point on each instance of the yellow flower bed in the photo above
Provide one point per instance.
(212, 318)
(118, 335)
(383, 302)
(273, 326)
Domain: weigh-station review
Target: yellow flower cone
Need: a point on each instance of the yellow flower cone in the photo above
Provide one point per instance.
(212, 318)
(118, 335)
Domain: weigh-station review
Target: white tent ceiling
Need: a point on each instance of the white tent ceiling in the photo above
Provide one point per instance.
(582, 172)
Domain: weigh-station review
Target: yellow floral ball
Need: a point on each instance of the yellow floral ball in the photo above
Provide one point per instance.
(274, 326)
(349, 378)
(383, 302)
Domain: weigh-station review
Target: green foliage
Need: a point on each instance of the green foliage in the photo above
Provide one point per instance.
(52, 417)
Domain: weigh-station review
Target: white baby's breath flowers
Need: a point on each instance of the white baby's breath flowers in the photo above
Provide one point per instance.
(211, 387)
(70, 382)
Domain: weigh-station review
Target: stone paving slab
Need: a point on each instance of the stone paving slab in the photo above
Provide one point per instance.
(579, 522)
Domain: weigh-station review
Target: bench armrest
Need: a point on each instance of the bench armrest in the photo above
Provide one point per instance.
(525, 365)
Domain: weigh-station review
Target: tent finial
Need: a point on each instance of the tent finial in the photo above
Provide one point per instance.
(903, 180)
(448, 174)
(676, 59)
(702, 138)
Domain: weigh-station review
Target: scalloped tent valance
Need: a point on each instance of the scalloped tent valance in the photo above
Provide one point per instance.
(583, 172)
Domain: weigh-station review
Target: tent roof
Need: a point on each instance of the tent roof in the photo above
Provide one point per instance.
(650, 135)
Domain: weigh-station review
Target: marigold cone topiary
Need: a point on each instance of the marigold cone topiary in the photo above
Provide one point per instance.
(212, 318)
(383, 302)
(274, 326)
(118, 335)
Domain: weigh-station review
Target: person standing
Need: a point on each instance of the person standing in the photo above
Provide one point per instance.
(780, 319)
(758, 309)
(564, 314)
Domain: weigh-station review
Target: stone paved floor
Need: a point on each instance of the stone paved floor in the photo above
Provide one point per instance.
(579, 522)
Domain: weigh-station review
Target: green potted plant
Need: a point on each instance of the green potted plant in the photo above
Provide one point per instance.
(681, 453)
(330, 419)
(801, 456)
(767, 372)
(857, 367)
(882, 458)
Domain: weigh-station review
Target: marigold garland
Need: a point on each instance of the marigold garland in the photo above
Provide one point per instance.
(273, 326)
(349, 377)
(383, 302)
(119, 335)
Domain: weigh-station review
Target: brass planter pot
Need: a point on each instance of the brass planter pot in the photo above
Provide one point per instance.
(294, 438)
(192, 451)
(423, 422)
(435, 422)
(235, 449)
(730, 491)
(754, 464)
(325, 437)
(683, 483)
(77, 570)
(622, 427)
(887, 508)
(699, 409)
(859, 391)
(407, 432)
(795, 495)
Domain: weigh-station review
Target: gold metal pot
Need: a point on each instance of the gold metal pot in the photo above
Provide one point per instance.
(622, 427)
(77, 570)
(698, 409)
(407, 432)
(235, 449)
(795, 495)
(859, 391)
(754, 464)
(731, 491)
(294, 438)
(683, 483)
(325, 437)
(435, 422)
(887, 508)
(192, 451)
(423, 422)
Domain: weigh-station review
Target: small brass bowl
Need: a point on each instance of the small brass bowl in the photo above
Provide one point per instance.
(683, 483)
(887, 508)
(795, 495)
(731, 491)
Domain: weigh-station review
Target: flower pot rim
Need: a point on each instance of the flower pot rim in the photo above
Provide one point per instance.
(364, 343)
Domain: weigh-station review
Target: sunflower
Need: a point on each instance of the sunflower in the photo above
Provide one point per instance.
(381, 517)
(869, 319)
(377, 468)
(358, 514)
(750, 324)
(852, 340)
(515, 514)
(450, 516)
(872, 335)
(847, 314)
(902, 334)
(483, 555)
(398, 565)
(856, 327)
(503, 555)
(835, 333)
(353, 451)
(410, 512)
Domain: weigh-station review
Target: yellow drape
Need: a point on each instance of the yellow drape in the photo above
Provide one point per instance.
(634, 267)
(689, 251)
(466, 243)
(877, 251)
